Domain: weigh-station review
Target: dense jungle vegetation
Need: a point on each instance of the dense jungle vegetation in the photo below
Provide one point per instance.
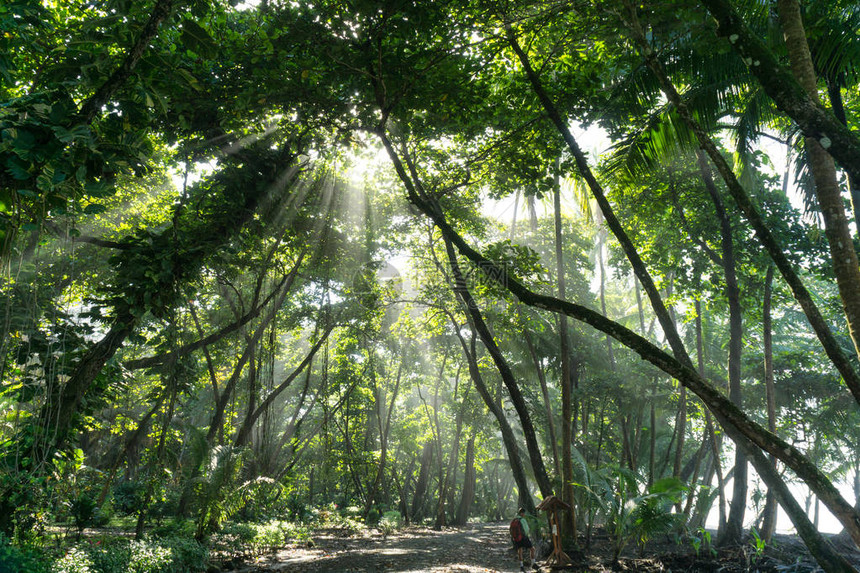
(280, 265)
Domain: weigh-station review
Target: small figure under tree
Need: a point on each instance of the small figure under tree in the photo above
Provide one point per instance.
(520, 536)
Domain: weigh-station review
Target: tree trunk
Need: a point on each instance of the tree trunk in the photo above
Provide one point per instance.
(730, 415)
(421, 485)
(469, 481)
(733, 531)
(550, 415)
(514, 219)
(636, 262)
(384, 430)
(842, 252)
(448, 476)
(244, 432)
(820, 548)
(227, 392)
(60, 408)
(508, 438)
(785, 89)
(834, 94)
(568, 524)
(743, 39)
(681, 418)
(768, 527)
(477, 320)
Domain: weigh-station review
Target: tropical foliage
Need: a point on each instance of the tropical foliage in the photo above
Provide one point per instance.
(272, 265)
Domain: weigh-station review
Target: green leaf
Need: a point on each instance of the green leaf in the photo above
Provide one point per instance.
(189, 77)
(18, 168)
(69, 135)
(198, 39)
(94, 208)
(44, 183)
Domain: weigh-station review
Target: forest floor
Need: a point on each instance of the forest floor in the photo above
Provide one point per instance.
(486, 547)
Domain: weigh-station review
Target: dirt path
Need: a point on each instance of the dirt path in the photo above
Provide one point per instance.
(486, 547)
(482, 547)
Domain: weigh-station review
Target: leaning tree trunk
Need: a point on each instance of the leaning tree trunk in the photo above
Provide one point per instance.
(785, 88)
(508, 438)
(477, 320)
(834, 94)
(730, 416)
(749, 46)
(550, 416)
(842, 252)
(681, 418)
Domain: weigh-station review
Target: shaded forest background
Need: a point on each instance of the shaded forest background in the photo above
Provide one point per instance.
(254, 266)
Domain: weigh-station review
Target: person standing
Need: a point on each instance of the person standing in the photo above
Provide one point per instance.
(520, 536)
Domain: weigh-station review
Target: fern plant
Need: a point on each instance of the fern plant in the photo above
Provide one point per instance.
(219, 497)
(635, 516)
(212, 487)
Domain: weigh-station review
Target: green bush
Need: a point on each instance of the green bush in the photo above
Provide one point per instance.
(76, 560)
(109, 556)
(234, 539)
(256, 538)
(147, 557)
(85, 512)
(128, 497)
(122, 556)
(20, 560)
(328, 517)
(188, 555)
(390, 522)
(177, 528)
(270, 536)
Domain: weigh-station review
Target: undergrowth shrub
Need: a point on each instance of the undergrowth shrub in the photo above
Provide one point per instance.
(257, 538)
(327, 517)
(15, 559)
(173, 529)
(129, 497)
(76, 560)
(123, 556)
(390, 522)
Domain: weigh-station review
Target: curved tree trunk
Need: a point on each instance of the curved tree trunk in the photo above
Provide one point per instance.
(730, 415)
(508, 438)
(834, 94)
(842, 252)
(477, 320)
(244, 432)
(785, 89)
(822, 330)
(61, 406)
(550, 416)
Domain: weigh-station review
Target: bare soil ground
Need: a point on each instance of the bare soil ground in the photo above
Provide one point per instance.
(486, 548)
